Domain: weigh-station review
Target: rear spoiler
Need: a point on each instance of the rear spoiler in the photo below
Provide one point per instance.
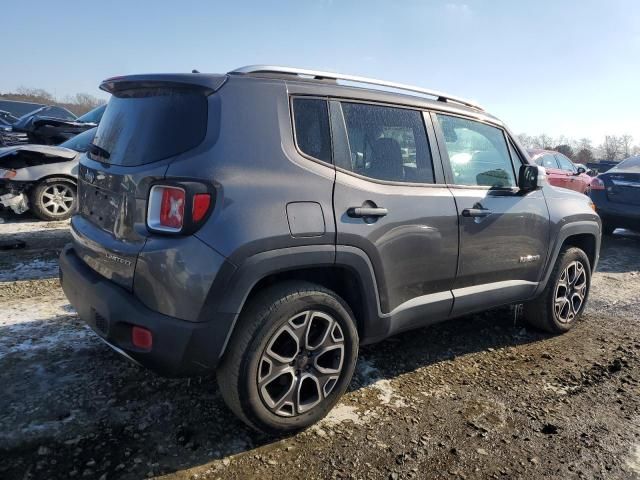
(208, 82)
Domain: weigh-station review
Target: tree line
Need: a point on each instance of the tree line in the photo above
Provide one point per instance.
(79, 104)
(614, 147)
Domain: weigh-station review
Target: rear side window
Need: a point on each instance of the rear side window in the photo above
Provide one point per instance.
(142, 126)
(387, 143)
(478, 153)
(311, 119)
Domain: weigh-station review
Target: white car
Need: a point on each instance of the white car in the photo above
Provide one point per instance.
(42, 178)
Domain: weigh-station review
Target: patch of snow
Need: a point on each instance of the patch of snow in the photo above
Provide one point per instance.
(31, 270)
(23, 226)
(27, 310)
(634, 460)
(371, 378)
(27, 328)
(343, 413)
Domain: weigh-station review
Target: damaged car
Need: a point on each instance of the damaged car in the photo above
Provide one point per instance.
(42, 178)
(7, 135)
(44, 129)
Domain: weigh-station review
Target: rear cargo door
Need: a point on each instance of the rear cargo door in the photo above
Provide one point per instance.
(145, 126)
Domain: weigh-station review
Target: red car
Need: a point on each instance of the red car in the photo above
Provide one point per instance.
(561, 171)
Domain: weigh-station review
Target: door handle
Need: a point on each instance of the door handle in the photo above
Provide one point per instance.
(359, 212)
(476, 212)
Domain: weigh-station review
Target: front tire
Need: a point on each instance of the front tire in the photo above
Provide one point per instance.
(54, 199)
(290, 359)
(559, 306)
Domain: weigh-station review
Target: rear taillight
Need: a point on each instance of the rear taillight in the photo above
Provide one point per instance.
(166, 208)
(201, 203)
(597, 184)
(179, 208)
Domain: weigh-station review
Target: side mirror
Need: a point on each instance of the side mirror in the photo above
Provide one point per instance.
(531, 177)
(581, 171)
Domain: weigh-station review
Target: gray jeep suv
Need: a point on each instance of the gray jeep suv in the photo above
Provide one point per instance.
(267, 222)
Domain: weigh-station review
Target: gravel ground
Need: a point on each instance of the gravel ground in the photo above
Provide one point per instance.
(479, 397)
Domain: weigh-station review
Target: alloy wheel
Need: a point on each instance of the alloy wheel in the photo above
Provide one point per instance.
(570, 292)
(57, 199)
(301, 364)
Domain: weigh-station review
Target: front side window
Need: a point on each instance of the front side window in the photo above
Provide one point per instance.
(387, 143)
(566, 164)
(311, 119)
(478, 153)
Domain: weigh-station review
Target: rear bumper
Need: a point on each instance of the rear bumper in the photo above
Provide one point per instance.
(180, 347)
(618, 214)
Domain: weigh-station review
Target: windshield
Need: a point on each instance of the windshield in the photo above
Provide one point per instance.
(93, 116)
(630, 164)
(145, 125)
(80, 143)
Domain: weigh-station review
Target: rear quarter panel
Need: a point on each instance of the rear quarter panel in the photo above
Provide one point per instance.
(257, 171)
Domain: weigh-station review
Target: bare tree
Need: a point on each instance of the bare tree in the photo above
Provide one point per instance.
(565, 149)
(626, 144)
(84, 101)
(611, 147)
(584, 156)
(585, 143)
(525, 140)
(543, 141)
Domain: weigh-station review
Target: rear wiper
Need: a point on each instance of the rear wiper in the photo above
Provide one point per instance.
(101, 152)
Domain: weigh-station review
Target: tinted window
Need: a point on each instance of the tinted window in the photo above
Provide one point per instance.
(311, 118)
(387, 143)
(80, 143)
(565, 163)
(632, 164)
(146, 125)
(478, 153)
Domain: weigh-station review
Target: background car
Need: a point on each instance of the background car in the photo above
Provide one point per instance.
(42, 178)
(616, 195)
(7, 136)
(41, 128)
(561, 171)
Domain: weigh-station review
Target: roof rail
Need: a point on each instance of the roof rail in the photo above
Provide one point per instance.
(443, 97)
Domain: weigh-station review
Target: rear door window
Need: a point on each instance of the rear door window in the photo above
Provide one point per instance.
(145, 125)
(387, 143)
(311, 122)
(478, 153)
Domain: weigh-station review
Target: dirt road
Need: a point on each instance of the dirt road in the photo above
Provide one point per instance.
(479, 397)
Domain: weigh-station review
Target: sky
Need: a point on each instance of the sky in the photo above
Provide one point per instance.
(560, 67)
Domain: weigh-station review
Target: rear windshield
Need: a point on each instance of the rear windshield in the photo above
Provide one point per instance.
(631, 164)
(146, 125)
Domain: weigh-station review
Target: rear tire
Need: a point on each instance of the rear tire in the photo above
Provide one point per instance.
(290, 358)
(559, 306)
(54, 199)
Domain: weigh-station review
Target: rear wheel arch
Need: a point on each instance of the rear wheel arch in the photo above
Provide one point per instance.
(347, 273)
